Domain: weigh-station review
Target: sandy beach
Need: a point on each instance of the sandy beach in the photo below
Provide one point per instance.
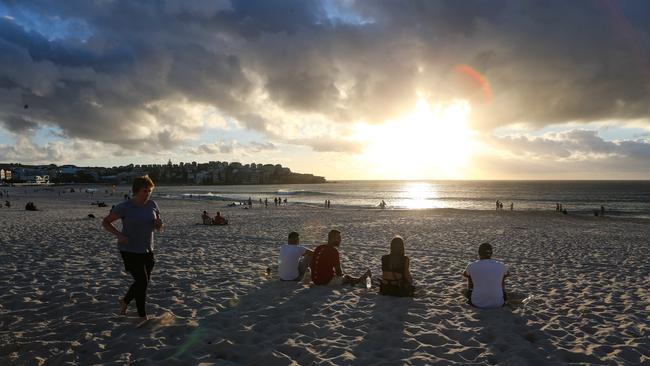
(589, 278)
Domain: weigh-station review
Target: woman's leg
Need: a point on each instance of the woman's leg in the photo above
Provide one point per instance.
(142, 275)
(130, 261)
(138, 288)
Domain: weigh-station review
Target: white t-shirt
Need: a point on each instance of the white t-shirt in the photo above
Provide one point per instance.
(288, 261)
(487, 276)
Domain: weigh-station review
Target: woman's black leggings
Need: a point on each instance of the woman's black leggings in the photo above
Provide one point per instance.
(140, 266)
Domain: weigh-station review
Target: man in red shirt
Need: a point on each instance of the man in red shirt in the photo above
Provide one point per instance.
(326, 264)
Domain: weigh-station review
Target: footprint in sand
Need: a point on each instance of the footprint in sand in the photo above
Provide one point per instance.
(156, 322)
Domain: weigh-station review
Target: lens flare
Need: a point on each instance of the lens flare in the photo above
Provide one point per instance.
(477, 79)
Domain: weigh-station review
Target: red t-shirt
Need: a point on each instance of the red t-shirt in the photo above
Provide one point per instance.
(325, 259)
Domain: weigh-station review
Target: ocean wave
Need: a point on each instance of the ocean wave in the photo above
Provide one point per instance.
(301, 192)
(209, 196)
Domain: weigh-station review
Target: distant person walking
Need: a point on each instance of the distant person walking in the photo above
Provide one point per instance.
(140, 216)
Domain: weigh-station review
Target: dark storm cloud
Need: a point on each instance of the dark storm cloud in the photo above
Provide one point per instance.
(19, 125)
(546, 63)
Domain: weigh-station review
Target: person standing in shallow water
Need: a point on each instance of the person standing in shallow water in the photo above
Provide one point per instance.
(140, 216)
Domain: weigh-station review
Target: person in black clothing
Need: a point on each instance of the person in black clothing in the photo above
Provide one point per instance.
(396, 277)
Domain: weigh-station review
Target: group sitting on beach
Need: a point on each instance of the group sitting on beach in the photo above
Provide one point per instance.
(30, 206)
(485, 276)
(217, 220)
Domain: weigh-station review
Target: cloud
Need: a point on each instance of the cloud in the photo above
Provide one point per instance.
(262, 146)
(58, 152)
(572, 145)
(230, 147)
(329, 144)
(145, 75)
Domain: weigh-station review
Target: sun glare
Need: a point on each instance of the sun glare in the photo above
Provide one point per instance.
(431, 142)
(416, 195)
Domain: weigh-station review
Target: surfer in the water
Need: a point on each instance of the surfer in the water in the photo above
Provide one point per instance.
(486, 280)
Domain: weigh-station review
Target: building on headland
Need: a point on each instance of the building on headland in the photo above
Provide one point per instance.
(36, 179)
(211, 173)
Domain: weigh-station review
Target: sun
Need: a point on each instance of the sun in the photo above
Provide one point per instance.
(430, 142)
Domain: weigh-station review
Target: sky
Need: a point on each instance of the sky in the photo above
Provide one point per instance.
(494, 89)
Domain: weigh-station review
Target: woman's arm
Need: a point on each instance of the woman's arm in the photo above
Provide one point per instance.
(157, 223)
(107, 223)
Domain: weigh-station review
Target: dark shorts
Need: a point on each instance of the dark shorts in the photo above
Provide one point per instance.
(135, 260)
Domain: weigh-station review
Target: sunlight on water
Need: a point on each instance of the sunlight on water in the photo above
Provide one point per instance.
(416, 195)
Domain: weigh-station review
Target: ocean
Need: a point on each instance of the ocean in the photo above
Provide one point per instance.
(620, 198)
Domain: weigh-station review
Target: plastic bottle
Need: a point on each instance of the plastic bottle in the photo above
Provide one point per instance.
(368, 283)
(528, 300)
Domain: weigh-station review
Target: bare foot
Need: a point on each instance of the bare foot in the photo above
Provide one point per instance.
(123, 306)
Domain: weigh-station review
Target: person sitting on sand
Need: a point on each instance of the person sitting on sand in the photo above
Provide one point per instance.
(207, 220)
(30, 206)
(396, 276)
(486, 280)
(326, 264)
(219, 220)
(294, 259)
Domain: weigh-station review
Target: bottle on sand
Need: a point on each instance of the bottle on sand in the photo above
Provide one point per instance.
(368, 283)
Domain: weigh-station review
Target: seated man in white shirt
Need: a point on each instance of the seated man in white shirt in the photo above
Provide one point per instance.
(485, 280)
(294, 259)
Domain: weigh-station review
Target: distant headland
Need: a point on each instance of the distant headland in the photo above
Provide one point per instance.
(211, 173)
